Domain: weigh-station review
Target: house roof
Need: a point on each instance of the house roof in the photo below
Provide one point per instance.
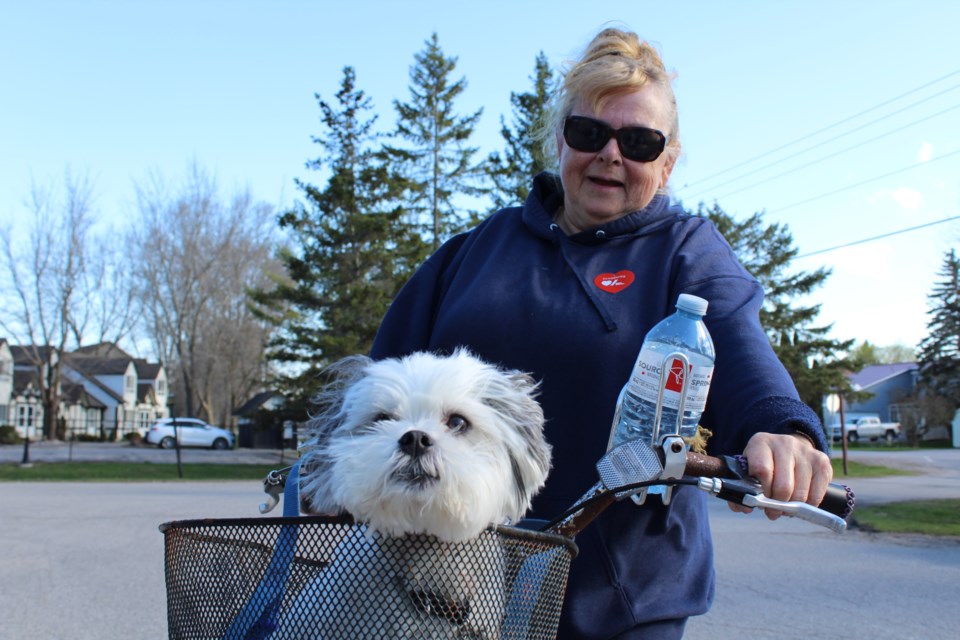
(256, 402)
(145, 393)
(24, 355)
(95, 382)
(101, 366)
(75, 393)
(102, 350)
(23, 379)
(147, 370)
(877, 373)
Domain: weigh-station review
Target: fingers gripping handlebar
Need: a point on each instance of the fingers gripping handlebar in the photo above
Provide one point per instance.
(839, 499)
(634, 465)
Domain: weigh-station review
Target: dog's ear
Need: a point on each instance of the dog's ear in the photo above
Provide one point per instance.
(513, 395)
(328, 415)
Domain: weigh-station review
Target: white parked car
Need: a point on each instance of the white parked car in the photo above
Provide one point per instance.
(192, 432)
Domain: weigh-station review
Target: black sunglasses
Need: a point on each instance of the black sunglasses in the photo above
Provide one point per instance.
(639, 144)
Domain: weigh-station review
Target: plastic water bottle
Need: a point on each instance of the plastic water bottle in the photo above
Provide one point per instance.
(682, 332)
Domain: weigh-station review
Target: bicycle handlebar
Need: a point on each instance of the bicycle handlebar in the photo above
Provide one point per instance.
(839, 499)
(730, 483)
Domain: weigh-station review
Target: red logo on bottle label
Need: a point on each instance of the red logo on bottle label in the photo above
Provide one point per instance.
(614, 282)
(675, 376)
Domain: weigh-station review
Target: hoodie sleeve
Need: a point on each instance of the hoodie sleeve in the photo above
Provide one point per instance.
(408, 323)
(751, 390)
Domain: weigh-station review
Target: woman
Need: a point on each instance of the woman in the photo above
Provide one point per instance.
(566, 287)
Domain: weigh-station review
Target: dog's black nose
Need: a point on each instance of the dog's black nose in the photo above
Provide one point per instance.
(415, 443)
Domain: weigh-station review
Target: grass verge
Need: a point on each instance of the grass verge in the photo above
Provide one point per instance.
(129, 472)
(859, 470)
(929, 517)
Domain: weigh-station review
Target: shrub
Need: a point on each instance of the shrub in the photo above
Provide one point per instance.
(133, 438)
(9, 435)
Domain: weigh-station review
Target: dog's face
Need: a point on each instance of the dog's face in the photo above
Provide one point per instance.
(425, 444)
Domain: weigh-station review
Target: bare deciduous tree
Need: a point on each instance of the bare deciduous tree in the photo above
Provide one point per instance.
(107, 312)
(197, 256)
(46, 278)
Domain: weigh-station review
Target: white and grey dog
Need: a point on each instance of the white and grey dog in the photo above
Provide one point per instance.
(427, 452)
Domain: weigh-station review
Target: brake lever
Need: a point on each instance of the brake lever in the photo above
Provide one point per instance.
(749, 494)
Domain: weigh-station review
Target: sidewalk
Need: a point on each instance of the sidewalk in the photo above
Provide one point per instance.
(47, 451)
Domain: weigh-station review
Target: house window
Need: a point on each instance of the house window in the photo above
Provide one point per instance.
(131, 383)
(4, 413)
(143, 420)
(161, 387)
(25, 416)
(93, 420)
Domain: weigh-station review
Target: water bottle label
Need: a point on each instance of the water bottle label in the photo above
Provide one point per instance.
(645, 381)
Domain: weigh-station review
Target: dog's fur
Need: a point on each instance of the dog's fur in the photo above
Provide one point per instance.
(485, 455)
(419, 448)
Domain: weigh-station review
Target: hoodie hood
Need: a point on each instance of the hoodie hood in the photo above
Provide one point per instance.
(546, 197)
(539, 213)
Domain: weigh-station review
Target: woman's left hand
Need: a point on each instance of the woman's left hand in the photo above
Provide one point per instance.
(788, 468)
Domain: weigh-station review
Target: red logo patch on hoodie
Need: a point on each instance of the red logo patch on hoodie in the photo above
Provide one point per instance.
(614, 282)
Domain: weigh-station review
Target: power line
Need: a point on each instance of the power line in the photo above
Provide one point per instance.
(880, 237)
(822, 130)
(863, 182)
(826, 157)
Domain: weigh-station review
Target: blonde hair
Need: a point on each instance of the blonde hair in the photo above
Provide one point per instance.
(615, 63)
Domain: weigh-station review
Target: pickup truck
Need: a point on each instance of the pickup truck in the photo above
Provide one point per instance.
(868, 427)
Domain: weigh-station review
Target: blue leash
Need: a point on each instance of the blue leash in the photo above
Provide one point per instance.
(258, 618)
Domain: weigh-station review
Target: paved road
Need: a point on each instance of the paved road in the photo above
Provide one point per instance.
(785, 580)
(85, 560)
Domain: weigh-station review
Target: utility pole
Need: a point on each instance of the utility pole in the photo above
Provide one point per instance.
(843, 435)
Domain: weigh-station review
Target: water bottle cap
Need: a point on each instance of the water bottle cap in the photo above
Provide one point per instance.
(692, 304)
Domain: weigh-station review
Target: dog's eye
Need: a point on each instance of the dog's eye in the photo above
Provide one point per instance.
(456, 422)
(382, 417)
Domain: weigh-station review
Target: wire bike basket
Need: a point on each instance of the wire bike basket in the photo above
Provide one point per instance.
(322, 577)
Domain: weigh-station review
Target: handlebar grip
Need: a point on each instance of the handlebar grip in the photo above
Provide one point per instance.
(839, 499)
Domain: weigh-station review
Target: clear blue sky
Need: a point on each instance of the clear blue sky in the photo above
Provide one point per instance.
(115, 90)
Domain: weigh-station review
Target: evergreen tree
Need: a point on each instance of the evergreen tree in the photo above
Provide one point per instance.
(814, 361)
(349, 251)
(940, 350)
(869, 353)
(523, 157)
(436, 161)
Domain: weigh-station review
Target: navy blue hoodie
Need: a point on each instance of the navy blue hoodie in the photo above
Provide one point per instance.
(573, 311)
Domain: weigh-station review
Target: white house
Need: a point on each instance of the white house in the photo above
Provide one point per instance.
(83, 413)
(104, 391)
(152, 393)
(133, 391)
(6, 381)
(25, 406)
